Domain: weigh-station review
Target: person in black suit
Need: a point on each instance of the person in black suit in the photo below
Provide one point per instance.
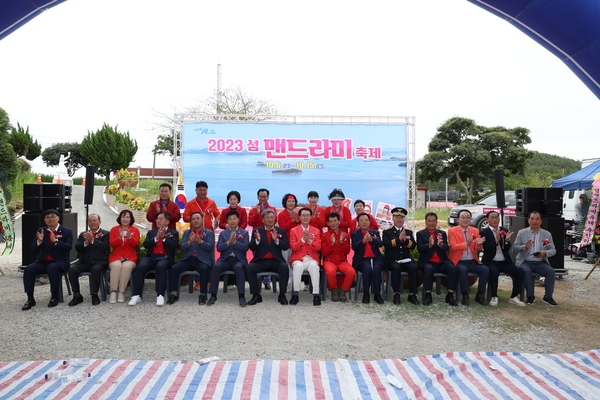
(367, 257)
(432, 244)
(92, 247)
(161, 244)
(53, 242)
(496, 255)
(398, 243)
(267, 243)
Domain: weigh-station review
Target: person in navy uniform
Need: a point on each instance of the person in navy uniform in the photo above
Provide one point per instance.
(398, 243)
(53, 242)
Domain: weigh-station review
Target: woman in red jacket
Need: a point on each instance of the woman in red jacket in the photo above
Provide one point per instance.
(124, 240)
(337, 198)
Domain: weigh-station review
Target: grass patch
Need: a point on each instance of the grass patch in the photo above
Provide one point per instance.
(442, 213)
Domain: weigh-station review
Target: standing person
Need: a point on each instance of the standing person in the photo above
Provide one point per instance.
(53, 242)
(124, 239)
(335, 246)
(432, 244)
(305, 242)
(233, 244)
(204, 205)
(496, 255)
(359, 208)
(233, 199)
(267, 244)
(198, 245)
(465, 244)
(367, 258)
(337, 198)
(398, 243)
(533, 246)
(317, 211)
(288, 218)
(164, 205)
(161, 244)
(92, 247)
(255, 219)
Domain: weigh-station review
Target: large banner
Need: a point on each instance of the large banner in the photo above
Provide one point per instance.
(366, 161)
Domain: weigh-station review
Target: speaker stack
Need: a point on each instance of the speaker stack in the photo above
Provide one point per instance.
(39, 197)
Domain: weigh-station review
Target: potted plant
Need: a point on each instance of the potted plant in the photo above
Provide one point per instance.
(123, 198)
(127, 178)
(110, 194)
(139, 207)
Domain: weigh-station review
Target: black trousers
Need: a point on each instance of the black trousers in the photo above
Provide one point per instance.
(228, 264)
(158, 264)
(96, 274)
(396, 269)
(517, 274)
(445, 267)
(268, 265)
(189, 264)
(52, 268)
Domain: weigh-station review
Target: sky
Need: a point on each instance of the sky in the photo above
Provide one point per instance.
(87, 62)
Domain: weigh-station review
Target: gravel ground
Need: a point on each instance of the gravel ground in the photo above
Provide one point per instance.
(187, 331)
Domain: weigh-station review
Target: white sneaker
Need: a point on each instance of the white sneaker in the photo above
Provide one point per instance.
(515, 300)
(494, 301)
(134, 300)
(160, 300)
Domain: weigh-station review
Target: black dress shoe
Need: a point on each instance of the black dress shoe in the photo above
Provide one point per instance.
(256, 298)
(53, 302)
(267, 286)
(378, 299)
(397, 298)
(172, 299)
(28, 305)
(366, 298)
(294, 300)
(450, 300)
(427, 300)
(479, 299)
(412, 299)
(316, 300)
(202, 299)
(465, 300)
(211, 301)
(95, 300)
(77, 298)
(242, 301)
(282, 299)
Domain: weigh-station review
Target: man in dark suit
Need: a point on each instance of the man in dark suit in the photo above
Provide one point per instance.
(161, 244)
(53, 242)
(92, 247)
(267, 243)
(367, 257)
(198, 245)
(496, 255)
(233, 245)
(432, 244)
(398, 243)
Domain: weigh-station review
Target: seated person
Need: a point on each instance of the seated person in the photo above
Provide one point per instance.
(335, 246)
(305, 242)
(233, 244)
(432, 245)
(465, 243)
(267, 244)
(161, 244)
(496, 255)
(53, 242)
(198, 251)
(92, 247)
(398, 243)
(124, 240)
(533, 246)
(367, 258)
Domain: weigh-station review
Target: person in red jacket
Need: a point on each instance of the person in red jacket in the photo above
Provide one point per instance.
(255, 217)
(337, 198)
(335, 246)
(359, 208)
(124, 240)
(164, 205)
(204, 205)
(233, 199)
(317, 211)
(305, 242)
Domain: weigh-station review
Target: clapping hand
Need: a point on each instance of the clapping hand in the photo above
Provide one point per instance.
(257, 235)
(231, 239)
(402, 235)
(40, 235)
(367, 238)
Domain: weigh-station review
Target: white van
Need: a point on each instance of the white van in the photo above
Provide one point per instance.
(570, 198)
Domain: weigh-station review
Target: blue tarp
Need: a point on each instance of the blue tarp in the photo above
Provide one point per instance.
(15, 13)
(581, 179)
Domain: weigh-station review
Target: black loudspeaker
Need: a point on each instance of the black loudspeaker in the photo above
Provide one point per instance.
(528, 200)
(40, 197)
(499, 180)
(556, 227)
(32, 190)
(89, 185)
(32, 222)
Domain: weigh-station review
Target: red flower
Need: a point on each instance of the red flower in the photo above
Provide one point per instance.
(439, 236)
(545, 242)
(502, 232)
(474, 237)
(239, 236)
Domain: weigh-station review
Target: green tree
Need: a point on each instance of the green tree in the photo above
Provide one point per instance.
(23, 143)
(51, 156)
(164, 144)
(467, 154)
(8, 157)
(108, 150)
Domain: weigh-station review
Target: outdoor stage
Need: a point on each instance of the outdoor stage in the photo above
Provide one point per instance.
(474, 375)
